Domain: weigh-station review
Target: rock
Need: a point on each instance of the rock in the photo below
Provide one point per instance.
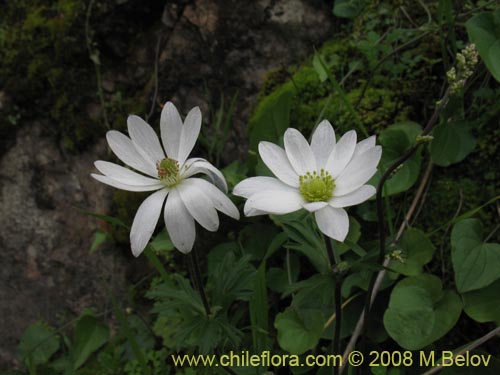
(209, 49)
(47, 271)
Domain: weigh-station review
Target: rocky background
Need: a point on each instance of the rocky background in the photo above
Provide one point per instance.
(71, 70)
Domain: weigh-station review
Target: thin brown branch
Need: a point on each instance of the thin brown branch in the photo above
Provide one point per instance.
(480, 341)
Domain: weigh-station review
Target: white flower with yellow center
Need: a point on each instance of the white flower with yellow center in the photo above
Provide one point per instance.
(187, 199)
(322, 177)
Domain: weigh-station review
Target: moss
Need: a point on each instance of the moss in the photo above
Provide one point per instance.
(379, 106)
(397, 91)
(46, 72)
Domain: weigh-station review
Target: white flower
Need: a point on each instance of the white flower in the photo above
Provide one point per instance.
(322, 177)
(187, 198)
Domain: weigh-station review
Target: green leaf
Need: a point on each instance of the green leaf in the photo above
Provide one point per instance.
(162, 243)
(420, 312)
(100, 238)
(483, 305)
(351, 239)
(348, 8)
(259, 312)
(417, 250)
(452, 143)
(110, 219)
(90, 335)
(300, 228)
(271, 119)
(38, 344)
(484, 32)
(297, 334)
(476, 264)
(318, 67)
(396, 140)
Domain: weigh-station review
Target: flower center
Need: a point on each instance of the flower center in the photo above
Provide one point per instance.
(316, 187)
(168, 171)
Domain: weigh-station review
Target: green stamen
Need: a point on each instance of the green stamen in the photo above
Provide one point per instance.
(168, 171)
(316, 187)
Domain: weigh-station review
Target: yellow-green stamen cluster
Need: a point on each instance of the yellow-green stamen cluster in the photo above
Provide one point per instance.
(316, 187)
(168, 171)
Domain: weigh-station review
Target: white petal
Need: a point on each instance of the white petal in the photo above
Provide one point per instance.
(189, 135)
(199, 205)
(358, 171)
(179, 223)
(323, 142)
(250, 211)
(341, 154)
(145, 140)
(220, 200)
(364, 145)
(145, 221)
(109, 181)
(299, 152)
(358, 196)
(124, 149)
(277, 202)
(194, 166)
(333, 222)
(276, 160)
(314, 206)
(253, 185)
(124, 175)
(171, 129)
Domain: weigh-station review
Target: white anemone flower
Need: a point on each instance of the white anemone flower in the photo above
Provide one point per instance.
(322, 177)
(187, 199)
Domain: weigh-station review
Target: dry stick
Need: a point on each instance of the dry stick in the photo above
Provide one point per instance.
(377, 280)
(381, 274)
(474, 345)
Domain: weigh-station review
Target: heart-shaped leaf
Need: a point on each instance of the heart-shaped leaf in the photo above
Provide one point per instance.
(395, 140)
(476, 264)
(420, 312)
(484, 31)
(483, 305)
(452, 143)
(296, 333)
(417, 250)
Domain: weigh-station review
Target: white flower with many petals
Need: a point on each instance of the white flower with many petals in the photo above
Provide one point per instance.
(322, 177)
(188, 199)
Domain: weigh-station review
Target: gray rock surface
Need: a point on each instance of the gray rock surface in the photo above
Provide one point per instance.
(219, 47)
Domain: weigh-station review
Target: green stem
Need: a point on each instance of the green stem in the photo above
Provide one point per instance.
(334, 261)
(156, 262)
(134, 345)
(194, 269)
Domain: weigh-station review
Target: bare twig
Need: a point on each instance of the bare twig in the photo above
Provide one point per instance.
(480, 341)
(376, 281)
(415, 201)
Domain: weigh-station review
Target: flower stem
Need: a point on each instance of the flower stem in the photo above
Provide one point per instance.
(194, 269)
(334, 261)
(379, 197)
